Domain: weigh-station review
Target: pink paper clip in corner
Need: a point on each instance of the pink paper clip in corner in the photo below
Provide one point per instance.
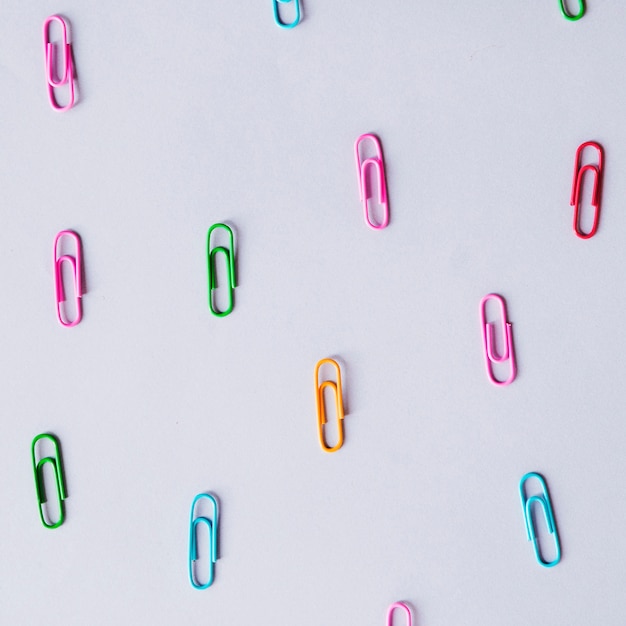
(579, 172)
(402, 606)
(488, 332)
(76, 264)
(66, 77)
(377, 164)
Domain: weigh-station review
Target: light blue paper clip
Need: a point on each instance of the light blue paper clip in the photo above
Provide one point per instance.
(193, 542)
(277, 19)
(543, 500)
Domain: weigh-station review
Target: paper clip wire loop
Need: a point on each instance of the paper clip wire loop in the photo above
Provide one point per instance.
(59, 479)
(403, 607)
(321, 409)
(66, 77)
(567, 15)
(76, 264)
(212, 526)
(544, 502)
(377, 164)
(277, 18)
(229, 255)
(579, 173)
(489, 342)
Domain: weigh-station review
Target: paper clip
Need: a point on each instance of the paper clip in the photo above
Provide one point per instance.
(76, 263)
(321, 409)
(544, 501)
(66, 77)
(193, 540)
(59, 479)
(489, 343)
(567, 15)
(362, 166)
(229, 254)
(277, 18)
(579, 172)
(403, 607)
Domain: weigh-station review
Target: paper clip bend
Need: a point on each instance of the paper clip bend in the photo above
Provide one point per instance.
(59, 479)
(321, 409)
(544, 501)
(489, 343)
(229, 255)
(277, 18)
(378, 165)
(76, 263)
(579, 172)
(66, 77)
(403, 607)
(212, 526)
(567, 15)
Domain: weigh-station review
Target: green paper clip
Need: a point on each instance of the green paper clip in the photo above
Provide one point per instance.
(229, 254)
(567, 15)
(59, 479)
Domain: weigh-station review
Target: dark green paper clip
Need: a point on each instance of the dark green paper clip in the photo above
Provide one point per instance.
(57, 465)
(229, 255)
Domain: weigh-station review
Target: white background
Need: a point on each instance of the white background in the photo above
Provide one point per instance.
(194, 112)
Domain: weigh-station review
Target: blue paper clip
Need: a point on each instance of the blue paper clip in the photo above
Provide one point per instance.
(57, 466)
(193, 541)
(546, 505)
(229, 254)
(277, 19)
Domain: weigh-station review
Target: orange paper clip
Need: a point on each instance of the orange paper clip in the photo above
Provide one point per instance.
(321, 409)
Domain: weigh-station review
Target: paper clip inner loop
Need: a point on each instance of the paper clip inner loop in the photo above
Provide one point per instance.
(229, 257)
(212, 526)
(489, 341)
(277, 18)
(567, 15)
(321, 408)
(402, 607)
(57, 466)
(76, 265)
(66, 77)
(579, 172)
(376, 166)
(543, 500)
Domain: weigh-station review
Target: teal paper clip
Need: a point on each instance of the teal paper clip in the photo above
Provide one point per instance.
(277, 18)
(229, 255)
(193, 540)
(544, 501)
(59, 479)
(567, 15)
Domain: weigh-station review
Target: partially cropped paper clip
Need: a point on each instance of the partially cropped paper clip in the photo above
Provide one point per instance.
(321, 408)
(278, 19)
(63, 75)
(76, 265)
(59, 480)
(543, 500)
(577, 183)
(229, 258)
(211, 524)
(372, 169)
(489, 341)
(569, 16)
(401, 607)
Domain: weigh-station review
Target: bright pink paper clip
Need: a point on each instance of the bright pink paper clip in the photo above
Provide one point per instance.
(402, 606)
(489, 342)
(76, 263)
(579, 173)
(362, 166)
(66, 77)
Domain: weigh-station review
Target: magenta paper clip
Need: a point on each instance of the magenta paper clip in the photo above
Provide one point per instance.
(76, 263)
(377, 164)
(403, 607)
(66, 77)
(489, 343)
(579, 172)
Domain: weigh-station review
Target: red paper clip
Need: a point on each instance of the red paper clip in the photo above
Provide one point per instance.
(76, 263)
(66, 77)
(579, 173)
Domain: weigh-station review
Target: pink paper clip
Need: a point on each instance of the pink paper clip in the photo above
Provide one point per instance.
(76, 263)
(579, 173)
(66, 77)
(488, 330)
(402, 606)
(362, 166)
